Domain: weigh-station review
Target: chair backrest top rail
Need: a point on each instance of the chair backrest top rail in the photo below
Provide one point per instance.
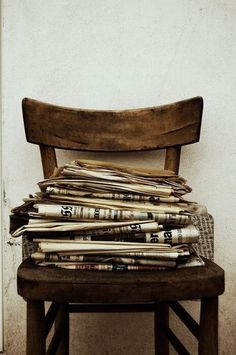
(113, 130)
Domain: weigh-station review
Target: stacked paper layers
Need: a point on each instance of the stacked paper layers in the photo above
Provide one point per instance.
(101, 216)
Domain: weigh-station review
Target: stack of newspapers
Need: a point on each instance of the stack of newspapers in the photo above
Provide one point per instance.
(93, 215)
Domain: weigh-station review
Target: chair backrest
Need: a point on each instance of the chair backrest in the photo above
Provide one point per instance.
(168, 126)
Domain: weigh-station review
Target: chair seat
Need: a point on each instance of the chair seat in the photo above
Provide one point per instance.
(60, 285)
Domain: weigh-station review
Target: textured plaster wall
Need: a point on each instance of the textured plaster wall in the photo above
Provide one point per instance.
(122, 54)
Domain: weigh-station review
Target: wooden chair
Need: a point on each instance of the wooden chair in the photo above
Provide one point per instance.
(169, 127)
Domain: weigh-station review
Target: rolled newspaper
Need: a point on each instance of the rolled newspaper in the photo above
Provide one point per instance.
(78, 212)
(111, 196)
(189, 234)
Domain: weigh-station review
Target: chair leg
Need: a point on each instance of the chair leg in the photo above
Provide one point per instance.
(62, 319)
(36, 340)
(161, 320)
(208, 337)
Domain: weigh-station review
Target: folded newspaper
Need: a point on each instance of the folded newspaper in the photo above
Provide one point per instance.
(93, 215)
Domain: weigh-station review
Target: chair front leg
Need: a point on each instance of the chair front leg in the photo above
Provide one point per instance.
(62, 325)
(208, 337)
(36, 340)
(161, 320)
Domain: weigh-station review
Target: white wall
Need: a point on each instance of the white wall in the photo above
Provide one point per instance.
(123, 54)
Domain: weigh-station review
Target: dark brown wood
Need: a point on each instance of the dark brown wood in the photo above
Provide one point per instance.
(172, 159)
(161, 322)
(62, 321)
(36, 340)
(54, 284)
(186, 318)
(110, 308)
(169, 126)
(49, 160)
(176, 343)
(54, 344)
(50, 317)
(125, 130)
(208, 338)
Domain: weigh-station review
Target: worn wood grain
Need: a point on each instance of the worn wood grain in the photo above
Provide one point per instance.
(49, 160)
(125, 130)
(172, 159)
(54, 284)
